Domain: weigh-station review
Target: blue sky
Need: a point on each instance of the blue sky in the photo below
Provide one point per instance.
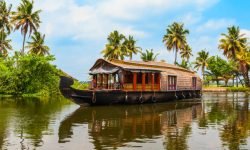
(76, 30)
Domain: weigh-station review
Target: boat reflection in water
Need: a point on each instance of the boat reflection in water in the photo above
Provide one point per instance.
(120, 126)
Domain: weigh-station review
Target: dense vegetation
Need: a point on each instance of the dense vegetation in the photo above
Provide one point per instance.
(28, 74)
(28, 71)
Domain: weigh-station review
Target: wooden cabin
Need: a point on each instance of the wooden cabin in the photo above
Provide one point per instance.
(142, 76)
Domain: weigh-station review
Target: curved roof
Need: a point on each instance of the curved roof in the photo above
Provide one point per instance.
(141, 65)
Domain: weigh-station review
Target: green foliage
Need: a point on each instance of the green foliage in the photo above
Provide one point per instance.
(80, 85)
(201, 62)
(238, 89)
(220, 68)
(28, 74)
(5, 13)
(175, 38)
(130, 46)
(186, 52)
(184, 64)
(119, 47)
(5, 45)
(26, 19)
(149, 55)
(235, 47)
(36, 45)
(232, 42)
(215, 64)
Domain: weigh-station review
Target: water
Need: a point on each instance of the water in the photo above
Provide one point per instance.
(218, 121)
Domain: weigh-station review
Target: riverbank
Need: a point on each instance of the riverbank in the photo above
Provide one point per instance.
(225, 89)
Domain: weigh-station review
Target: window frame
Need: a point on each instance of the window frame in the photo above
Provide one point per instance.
(173, 86)
(194, 83)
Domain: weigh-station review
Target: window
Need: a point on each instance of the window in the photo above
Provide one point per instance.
(139, 78)
(194, 82)
(172, 82)
(128, 77)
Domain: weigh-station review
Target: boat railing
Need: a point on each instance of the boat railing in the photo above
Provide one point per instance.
(148, 87)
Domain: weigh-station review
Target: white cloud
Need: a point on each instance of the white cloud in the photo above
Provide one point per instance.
(210, 43)
(191, 18)
(246, 33)
(213, 24)
(95, 20)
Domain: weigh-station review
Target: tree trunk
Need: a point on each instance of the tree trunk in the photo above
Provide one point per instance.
(240, 81)
(24, 38)
(237, 82)
(247, 77)
(203, 70)
(226, 82)
(217, 82)
(233, 80)
(175, 60)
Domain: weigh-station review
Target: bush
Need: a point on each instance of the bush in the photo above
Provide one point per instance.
(238, 89)
(28, 74)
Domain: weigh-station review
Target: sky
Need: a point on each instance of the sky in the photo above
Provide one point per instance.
(76, 30)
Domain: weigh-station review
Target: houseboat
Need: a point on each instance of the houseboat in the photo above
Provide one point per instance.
(134, 82)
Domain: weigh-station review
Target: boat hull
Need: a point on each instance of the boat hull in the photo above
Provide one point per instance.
(109, 97)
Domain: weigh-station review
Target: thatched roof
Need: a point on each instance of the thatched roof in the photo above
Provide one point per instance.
(143, 66)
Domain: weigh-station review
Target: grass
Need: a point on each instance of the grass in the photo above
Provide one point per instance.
(5, 95)
(238, 89)
(230, 89)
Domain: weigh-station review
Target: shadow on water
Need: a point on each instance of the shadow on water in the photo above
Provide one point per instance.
(114, 126)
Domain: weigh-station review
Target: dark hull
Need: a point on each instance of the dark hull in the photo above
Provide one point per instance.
(107, 97)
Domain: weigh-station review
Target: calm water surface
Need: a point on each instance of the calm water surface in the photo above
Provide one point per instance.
(217, 121)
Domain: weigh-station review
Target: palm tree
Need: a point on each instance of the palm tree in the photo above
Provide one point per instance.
(232, 42)
(131, 48)
(26, 18)
(5, 45)
(148, 55)
(115, 49)
(5, 12)
(36, 46)
(202, 61)
(186, 52)
(243, 58)
(184, 64)
(175, 38)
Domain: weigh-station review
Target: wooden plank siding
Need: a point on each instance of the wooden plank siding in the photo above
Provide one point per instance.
(184, 82)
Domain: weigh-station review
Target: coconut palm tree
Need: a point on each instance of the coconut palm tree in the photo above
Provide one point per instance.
(149, 55)
(131, 48)
(202, 61)
(233, 45)
(115, 49)
(184, 64)
(37, 46)
(243, 58)
(175, 38)
(186, 53)
(5, 12)
(232, 42)
(26, 18)
(5, 45)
